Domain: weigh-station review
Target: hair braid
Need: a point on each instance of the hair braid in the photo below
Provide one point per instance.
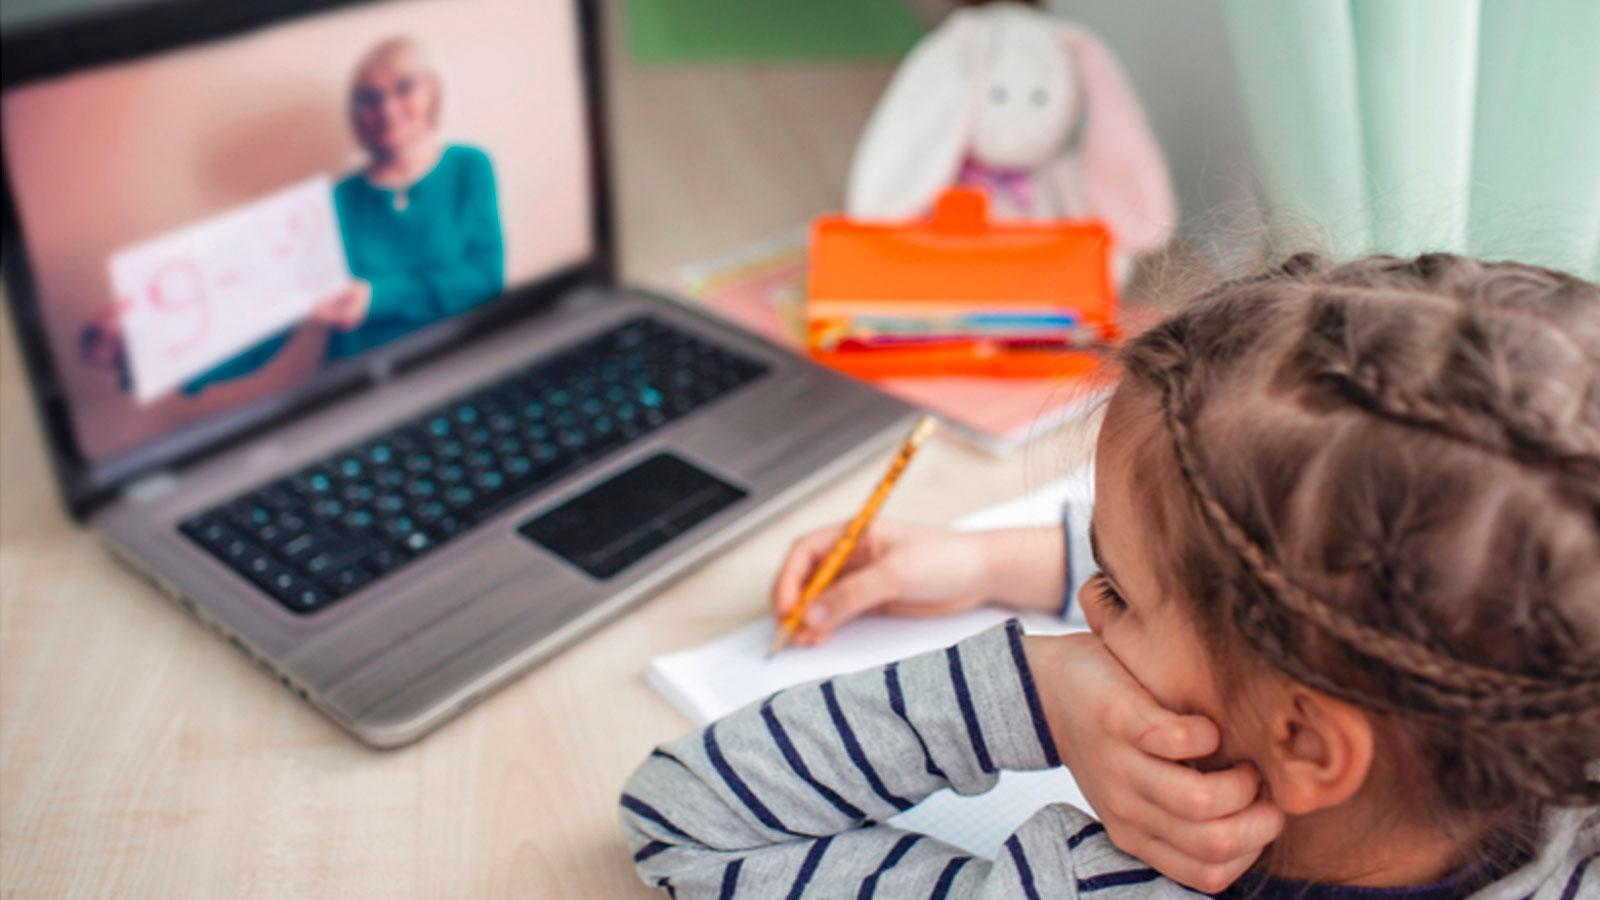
(1516, 435)
(1463, 690)
(1468, 395)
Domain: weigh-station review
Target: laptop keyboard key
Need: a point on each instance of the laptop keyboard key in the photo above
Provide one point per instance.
(340, 556)
(306, 544)
(207, 531)
(385, 560)
(283, 583)
(237, 551)
(306, 599)
(350, 580)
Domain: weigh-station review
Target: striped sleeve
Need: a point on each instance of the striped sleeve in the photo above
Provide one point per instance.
(783, 796)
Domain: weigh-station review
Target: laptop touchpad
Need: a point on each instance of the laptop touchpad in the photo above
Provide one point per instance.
(623, 519)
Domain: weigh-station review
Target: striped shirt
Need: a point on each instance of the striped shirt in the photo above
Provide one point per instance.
(783, 799)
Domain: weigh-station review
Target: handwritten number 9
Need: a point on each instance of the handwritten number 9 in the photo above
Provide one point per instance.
(178, 291)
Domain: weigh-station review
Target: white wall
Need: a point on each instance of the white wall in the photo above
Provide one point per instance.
(1176, 53)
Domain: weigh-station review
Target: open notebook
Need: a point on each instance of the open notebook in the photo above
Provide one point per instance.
(714, 679)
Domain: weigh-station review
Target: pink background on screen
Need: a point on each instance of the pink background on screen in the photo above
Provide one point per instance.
(107, 158)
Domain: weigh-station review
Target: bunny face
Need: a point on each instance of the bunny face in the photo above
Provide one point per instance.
(1004, 85)
(1025, 105)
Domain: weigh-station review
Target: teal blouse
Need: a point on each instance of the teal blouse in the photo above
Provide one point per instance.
(441, 255)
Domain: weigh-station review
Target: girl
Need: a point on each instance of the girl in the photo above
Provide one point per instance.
(1347, 525)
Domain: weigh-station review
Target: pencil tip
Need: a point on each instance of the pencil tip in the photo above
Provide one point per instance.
(779, 641)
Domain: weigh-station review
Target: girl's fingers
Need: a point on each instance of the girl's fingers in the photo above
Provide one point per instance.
(810, 550)
(1206, 876)
(1128, 712)
(1195, 796)
(853, 594)
(806, 637)
(1178, 737)
(1242, 835)
(1156, 730)
(1224, 840)
(802, 558)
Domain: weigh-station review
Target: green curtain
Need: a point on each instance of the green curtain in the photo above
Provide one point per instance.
(1402, 126)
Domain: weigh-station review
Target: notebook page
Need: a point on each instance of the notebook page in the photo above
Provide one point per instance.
(981, 823)
(715, 679)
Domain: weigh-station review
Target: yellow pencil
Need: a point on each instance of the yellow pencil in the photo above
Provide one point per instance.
(831, 564)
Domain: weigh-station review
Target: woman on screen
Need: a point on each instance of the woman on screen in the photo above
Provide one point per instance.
(420, 221)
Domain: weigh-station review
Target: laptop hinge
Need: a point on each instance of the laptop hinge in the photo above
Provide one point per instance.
(150, 488)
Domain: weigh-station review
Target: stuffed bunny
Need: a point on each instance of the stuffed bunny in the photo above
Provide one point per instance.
(1034, 111)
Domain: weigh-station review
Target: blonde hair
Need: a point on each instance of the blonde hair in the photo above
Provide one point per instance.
(388, 51)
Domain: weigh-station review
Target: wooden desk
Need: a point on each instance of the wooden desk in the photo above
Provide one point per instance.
(141, 756)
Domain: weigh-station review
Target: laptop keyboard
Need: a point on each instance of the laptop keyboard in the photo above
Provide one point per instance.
(333, 527)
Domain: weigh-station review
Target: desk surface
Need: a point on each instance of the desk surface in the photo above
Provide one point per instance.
(141, 756)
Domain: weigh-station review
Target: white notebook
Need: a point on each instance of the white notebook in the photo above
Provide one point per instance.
(714, 679)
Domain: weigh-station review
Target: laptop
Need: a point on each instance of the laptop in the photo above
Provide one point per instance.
(317, 305)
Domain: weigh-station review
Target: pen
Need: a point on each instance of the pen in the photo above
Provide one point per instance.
(831, 564)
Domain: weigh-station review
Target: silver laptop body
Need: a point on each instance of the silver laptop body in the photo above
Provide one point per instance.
(405, 653)
(409, 651)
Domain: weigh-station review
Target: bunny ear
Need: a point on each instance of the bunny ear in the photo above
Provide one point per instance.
(1124, 174)
(914, 143)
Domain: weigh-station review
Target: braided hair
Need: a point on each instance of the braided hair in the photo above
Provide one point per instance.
(1390, 473)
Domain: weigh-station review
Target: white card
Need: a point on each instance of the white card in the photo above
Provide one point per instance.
(192, 298)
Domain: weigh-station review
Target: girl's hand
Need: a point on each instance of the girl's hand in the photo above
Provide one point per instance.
(902, 570)
(347, 309)
(1201, 829)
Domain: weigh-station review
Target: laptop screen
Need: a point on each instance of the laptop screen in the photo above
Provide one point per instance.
(225, 225)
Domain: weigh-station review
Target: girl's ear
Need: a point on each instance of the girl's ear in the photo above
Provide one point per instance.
(1125, 180)
(914, 143)
(1319, 751)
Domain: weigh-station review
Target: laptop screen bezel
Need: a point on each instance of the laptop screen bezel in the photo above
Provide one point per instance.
(63, 46)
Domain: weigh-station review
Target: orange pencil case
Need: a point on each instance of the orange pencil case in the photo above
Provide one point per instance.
(957, 260)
